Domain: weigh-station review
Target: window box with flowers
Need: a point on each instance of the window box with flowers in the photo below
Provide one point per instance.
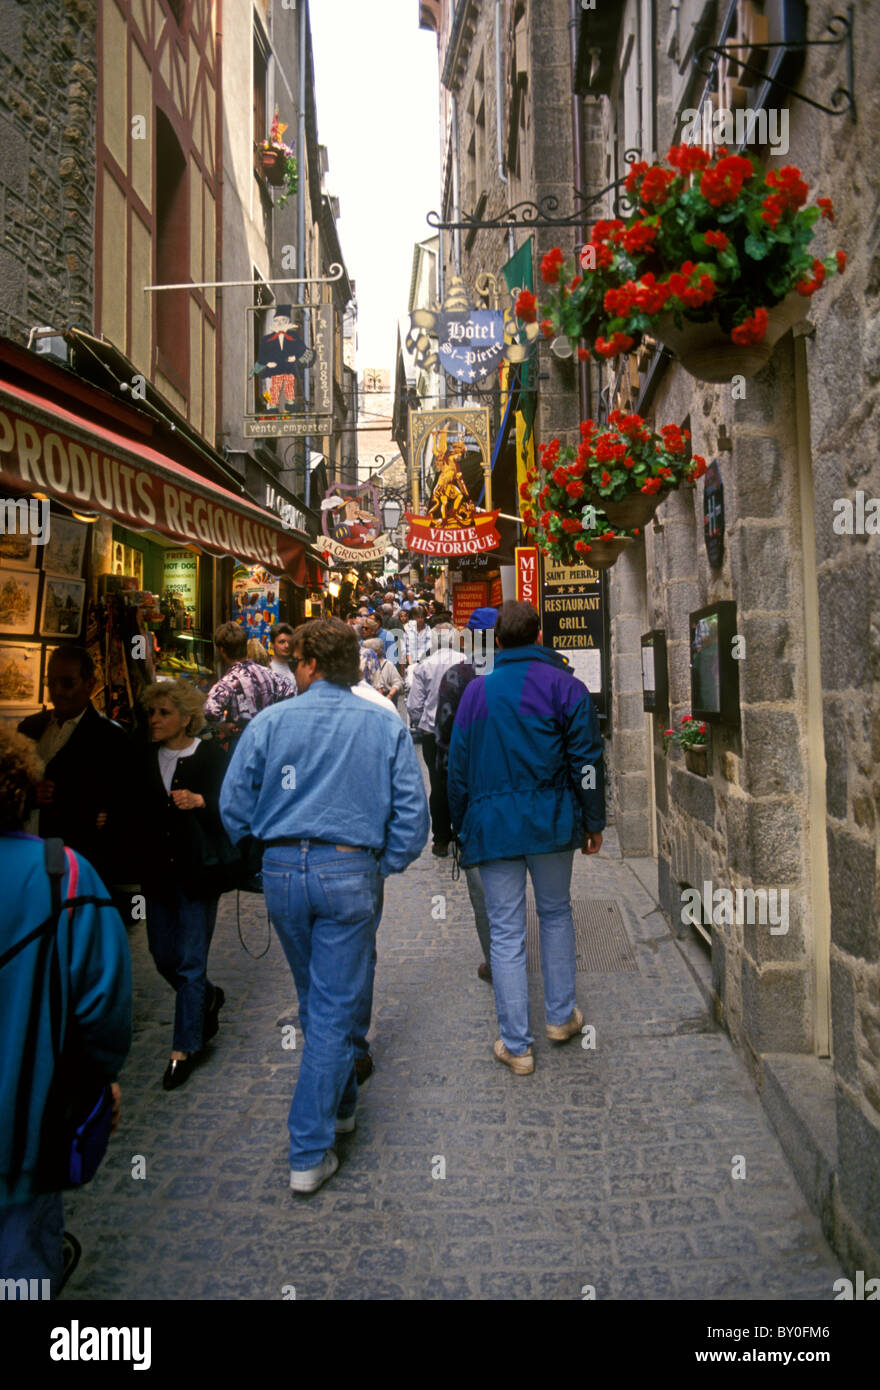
(692, 738)
(714, 263)
(278, 160)
(590, 503)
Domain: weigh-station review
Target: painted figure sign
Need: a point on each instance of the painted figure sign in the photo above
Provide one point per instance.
(350, 521)
(294, 371)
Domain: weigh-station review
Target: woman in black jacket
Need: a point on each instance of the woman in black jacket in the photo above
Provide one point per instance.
(187, 861)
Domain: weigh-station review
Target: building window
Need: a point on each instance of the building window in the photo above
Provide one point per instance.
(171, 241)
(261, 75)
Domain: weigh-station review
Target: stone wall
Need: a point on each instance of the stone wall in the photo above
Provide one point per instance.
(48, 80)
(787, 804)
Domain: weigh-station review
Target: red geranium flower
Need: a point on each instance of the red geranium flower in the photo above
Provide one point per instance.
(752, 329)
(687, 158)
(550, 266)
(827, 208)
(525, 306)
(582, 547)
(716, 238)
(547, 328)
(617, 343)
(841, 261)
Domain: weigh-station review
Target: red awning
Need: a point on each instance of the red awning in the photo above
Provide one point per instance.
(46, 448)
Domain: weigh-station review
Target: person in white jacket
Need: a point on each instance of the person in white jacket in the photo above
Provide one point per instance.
(422, 709)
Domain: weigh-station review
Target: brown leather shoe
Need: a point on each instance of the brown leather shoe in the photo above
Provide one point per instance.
(485, 973)
(363, 1068)
(520, 1066)
(561, 1032)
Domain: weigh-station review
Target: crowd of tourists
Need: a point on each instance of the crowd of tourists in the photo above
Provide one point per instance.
(102, 832)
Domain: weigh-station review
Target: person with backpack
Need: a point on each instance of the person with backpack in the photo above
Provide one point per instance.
(65, 1024)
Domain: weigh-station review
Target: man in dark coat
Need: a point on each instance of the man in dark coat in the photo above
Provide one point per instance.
(85, 797)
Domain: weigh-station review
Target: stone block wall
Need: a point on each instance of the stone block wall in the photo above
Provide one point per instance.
(48, 81)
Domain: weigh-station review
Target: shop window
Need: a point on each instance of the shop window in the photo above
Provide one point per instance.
(172, 255)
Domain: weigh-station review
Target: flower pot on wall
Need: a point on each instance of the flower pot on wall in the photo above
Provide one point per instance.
(274, 164)
(697, 760)
(709, 354)
(637, 509)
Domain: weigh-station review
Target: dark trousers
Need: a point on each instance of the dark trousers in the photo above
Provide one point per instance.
(179, 935)
(437, 801)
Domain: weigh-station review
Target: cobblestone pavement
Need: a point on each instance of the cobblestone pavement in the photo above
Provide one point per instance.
(609, 1167)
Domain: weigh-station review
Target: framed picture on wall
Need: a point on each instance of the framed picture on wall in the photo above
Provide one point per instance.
(20, 675)
(62, 606)
(714, 669)
(66, 547)
(18, 601)
(655, 679)
(18, 550)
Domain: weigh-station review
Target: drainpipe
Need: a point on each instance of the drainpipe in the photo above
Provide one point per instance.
(456, 191)
(585, 392)
(502, 173)
(302, 160)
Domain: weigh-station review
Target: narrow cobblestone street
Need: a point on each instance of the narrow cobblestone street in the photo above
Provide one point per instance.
(610, 1168)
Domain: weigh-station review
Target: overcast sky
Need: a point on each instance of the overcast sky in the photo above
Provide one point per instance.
(376, 80)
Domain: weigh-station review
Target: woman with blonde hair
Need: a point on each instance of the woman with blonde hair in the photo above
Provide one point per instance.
(188, 859)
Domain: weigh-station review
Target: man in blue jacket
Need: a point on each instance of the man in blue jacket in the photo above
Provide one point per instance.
(335, 792)
(526, 789)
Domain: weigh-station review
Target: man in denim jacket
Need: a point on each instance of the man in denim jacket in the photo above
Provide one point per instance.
(335, 792)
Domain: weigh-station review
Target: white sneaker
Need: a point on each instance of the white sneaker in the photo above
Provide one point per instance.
(346, 1125)
(310, 1179)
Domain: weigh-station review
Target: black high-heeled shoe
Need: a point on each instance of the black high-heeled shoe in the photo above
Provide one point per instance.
(177, 1071)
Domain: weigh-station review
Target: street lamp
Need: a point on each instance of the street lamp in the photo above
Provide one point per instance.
(391, 513)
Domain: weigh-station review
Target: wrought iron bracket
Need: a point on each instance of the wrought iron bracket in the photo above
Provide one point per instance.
(543, 213)
(843, 99)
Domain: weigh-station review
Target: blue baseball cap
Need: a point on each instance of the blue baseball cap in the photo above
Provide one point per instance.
(482, 618)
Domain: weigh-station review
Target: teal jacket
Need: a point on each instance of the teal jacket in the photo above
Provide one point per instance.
(94, 1004)
(526, 774)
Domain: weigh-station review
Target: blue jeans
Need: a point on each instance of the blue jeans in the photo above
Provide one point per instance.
(478, 903)
(504, 885)
(30, 1240)
(365, 1007)
(179, 933)
(324, 904)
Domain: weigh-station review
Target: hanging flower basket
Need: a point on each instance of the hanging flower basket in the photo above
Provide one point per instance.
(611, 483)
(274, 162)
(604, 552)
(635, 510)
(714, 262)
(279, 161)
(707, 353)
(692, 737)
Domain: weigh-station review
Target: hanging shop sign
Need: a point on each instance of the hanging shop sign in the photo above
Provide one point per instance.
(350, 521)
(46, 448)
(293, 371)
(713, 515)
(450, 451)
(471, 343)
(574, 623)
(527, 574)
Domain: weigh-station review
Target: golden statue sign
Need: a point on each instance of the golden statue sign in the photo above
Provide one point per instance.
(451, 447)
